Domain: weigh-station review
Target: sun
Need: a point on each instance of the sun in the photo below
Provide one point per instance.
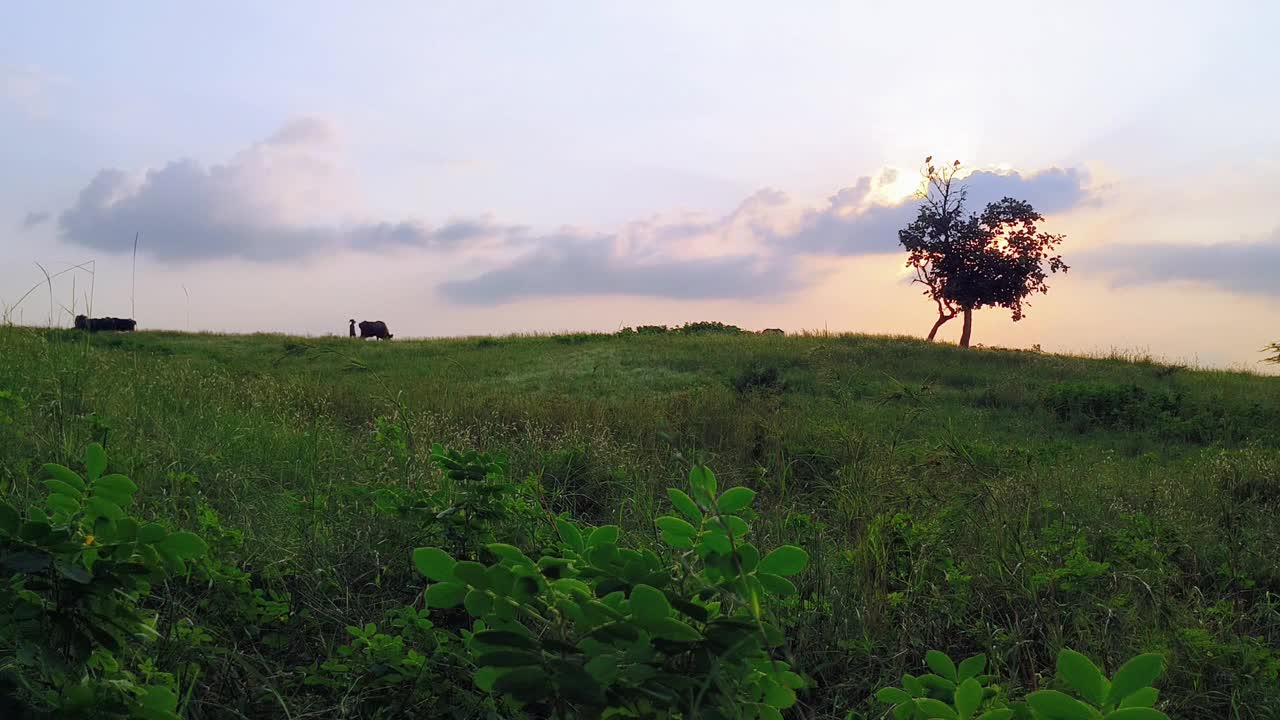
(895, 185)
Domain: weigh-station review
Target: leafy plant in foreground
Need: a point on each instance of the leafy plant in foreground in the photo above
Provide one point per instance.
(75, 572)
(594, 628)
(475, 497)
(961, 692)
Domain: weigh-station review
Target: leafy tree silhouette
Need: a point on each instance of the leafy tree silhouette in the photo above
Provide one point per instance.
(993, 259)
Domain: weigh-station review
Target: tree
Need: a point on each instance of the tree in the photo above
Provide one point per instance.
(993, 259)
(1275, 348)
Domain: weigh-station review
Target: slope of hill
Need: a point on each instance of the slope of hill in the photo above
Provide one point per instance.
(998, 502)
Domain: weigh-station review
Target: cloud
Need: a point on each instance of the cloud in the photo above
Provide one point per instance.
(751, 252)
(1249, 268)
(287, 196)
(33, 219)
(574, 265)
(853, 223)
(281, 198)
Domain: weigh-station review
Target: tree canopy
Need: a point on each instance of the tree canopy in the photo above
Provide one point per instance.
(996, 258)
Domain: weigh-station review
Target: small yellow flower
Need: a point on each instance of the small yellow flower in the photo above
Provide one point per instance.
(88, 540)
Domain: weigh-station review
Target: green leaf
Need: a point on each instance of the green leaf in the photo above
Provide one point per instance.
(892, 696)
(603, 535)
(734, 499)
(703, 483)
(971, 667)
(478, 603)
(685, 504)
(95, 461)
(1059, 706)
(748, 556)
(936, 709)
(63, 503)
(1146, 697)
(116, 484)
(768, 712)
(649, 604)
(735, 525)
(151, 533)
(570, 534)
(9, 519)
(997, 714)
(1136, 713)
(941, 664)
(912, 685)
(937, 682)
(716, 540)
(670, 628)
(117, 498)
(505, 638)
(66, 475)
(159, 703)
(1083, 675)
(471, 573)
(1134, 675)
(433, 564)
(968, 697)
(445, 595)
(185, 545)
(777, 585)
(508, 658)
(784, 561)
(174, 563)
(522, 680)
(104, 508)
(779, 696)
(62, 488)
(676, 532)
(510, 553)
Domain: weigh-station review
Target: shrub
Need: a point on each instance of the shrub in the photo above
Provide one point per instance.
(76, 572)
(596, 628)
(709, 328)
(758, 378)
(959, 692)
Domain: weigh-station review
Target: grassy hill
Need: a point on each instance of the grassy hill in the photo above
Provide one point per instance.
(999, 502)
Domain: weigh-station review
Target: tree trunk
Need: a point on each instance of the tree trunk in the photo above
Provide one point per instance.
(941, 320)
(968, 328)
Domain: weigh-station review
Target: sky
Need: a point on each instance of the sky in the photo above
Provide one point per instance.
(468, 168)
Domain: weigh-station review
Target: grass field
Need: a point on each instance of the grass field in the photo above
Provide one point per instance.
(999, 502)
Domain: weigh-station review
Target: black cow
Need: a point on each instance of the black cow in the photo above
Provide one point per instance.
(351, 327)
(374, 329)
(105, 323)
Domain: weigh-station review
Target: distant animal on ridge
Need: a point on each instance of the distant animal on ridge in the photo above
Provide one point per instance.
(351, 329)
(107, 323)
(772, 331)
(374, 329)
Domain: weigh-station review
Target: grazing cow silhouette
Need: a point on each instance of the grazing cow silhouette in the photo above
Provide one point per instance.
(772, 331)
(107, 323)
(374, 329)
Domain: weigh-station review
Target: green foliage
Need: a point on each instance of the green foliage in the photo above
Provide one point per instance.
(962, 693)
(76, 573)
(706, 327)
(1170, 414)
(475, 498)
(759, 378)
(596, 628)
